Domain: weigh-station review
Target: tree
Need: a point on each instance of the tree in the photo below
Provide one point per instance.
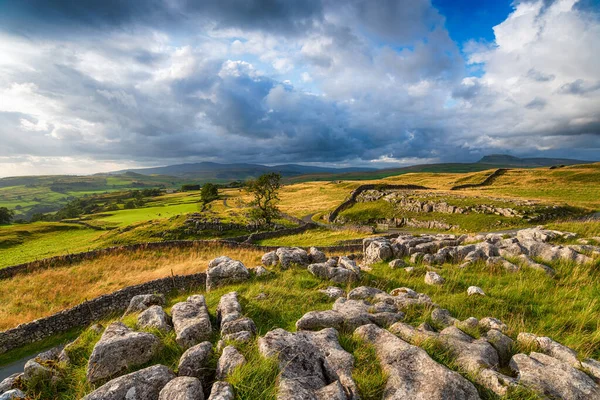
(188, 186)
(209, 192)
(265, 190)
(6, 215)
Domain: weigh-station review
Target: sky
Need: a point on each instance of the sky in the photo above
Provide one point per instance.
(98, 85)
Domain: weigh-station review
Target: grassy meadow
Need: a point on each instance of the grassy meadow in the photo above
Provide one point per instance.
(26, 297)
(562, 307)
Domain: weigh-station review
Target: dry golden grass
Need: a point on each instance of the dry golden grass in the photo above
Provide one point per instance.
(302, 199)
(42, 293)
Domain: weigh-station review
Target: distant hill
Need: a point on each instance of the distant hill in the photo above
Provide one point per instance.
(505, 159)
(209, 171)
(487, 162)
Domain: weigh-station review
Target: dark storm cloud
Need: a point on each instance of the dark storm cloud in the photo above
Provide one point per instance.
(334, 81)
(42, 16)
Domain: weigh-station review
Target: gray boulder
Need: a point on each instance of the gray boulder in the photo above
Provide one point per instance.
(316, 256)
(10, 382)
(182, 388)
(316, 320)
(488, 323)
(442, 317)
(221, 391)
(433, 278)
(223, 270)
(364, 293)
(261, 271)
(475, 291)
(333, 292)
(143, 301)
(195, 362)
(270, 259)
(412, 373)
(337, 274)
(154, 317)
(502, 343)
(118, 349)
(191, 321)
(304, 368)
(378, 251)
(292, 256)
(144, 384)
(34, 371)
(13, 394)
(230, 359)
(397, 263)
(553, 378)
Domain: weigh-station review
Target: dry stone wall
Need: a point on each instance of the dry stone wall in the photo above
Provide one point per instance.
(92, 310)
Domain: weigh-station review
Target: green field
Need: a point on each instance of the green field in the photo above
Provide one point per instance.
(561, 307)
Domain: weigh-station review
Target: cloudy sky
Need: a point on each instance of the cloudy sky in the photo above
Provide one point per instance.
(101, 85)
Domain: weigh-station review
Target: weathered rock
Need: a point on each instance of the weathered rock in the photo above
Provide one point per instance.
(154, 317)
(261, 271)
(397, 263)
(333, 292)
(488, 323)
(528, 262)
(230, 359)
(502, 343)
(229, 308)
(316, 320)
(364, 293)
(13, 394)
(292, 256)
(182, 388)
(191, 321)
(339, 359)
(10, 382)
(34, 371)
(241, 337)
(501, 262)
(270, 259)
(548, 252)
(223, 270)
(412, 373)
(221, 391)
(303, 367)
(195, 362)
(591, 366)
(377, 251)
(416, 258)
(337, 274)
(118, 349)
(143, 384)
(143, 301)
(349, 264)
(316, 256)
(472, 354)
(469, 323)
(553, 378)
(475, 291)
(550, 347)
(433, 278)
(443, 317)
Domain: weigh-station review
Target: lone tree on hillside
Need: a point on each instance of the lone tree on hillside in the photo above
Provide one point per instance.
(6, 215)
(209, 192)
(264, 189)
